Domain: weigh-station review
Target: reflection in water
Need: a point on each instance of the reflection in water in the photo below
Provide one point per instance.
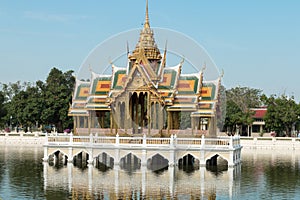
(130, 163)
(188, 163)
(263, 175)
(131, 180)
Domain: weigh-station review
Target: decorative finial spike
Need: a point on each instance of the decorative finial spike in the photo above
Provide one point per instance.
(110, 61)
(147, 24)
(182, 60)
(127, 48)
(165, 55)
(222, 73)
(204, 66)
(166, 45)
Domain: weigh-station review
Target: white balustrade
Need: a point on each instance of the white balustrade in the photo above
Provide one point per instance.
(173, 141)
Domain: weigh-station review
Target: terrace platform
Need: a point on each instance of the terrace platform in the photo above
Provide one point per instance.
(202, 150)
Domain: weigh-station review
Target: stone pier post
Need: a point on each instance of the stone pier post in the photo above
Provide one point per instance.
(117, 158)
(171, 180)
(116, 172)
(45, 173)
(70, 155)
(202, 181)
(91, 156)
(144, 158)
(90, 177)
(70, 176)
(231, 161)
(144, 181)
(45, 159)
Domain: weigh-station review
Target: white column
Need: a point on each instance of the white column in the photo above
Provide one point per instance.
(117, 158)
(202, 152)
(116, 172)
(144, 182)
(70, 175)
(45, 173)
(202, 181)
(230, 172)
(90, 176)
(45, 159)
(70, 156)
(117, 140)
(171, 180)
(172, 158)
(144, 157)
(202, 141)
(71, 138)
(231, 162)
(91, 157)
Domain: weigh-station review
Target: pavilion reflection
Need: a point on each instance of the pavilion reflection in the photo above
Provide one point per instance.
(142, 182)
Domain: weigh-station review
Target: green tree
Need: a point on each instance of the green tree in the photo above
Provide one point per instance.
(3, 110)
(10, 91)
(58, 96)
(239, 100)
(25, 106)
(282, 114)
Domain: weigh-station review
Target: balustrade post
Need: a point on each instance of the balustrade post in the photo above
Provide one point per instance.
(175, 140)
(144, 140)
(45, 158)
(231, 142)
(91, 138)
(117, 139)
(71, 138)
(46, 136)
(202, 141)
(172, 140)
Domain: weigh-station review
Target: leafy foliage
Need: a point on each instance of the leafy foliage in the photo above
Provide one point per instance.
(3, 110)
(239, 100)
(58, 90)
(27, 105)
(282, 115)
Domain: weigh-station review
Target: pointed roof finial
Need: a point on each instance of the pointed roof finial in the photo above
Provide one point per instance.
(165, 55)
(147, 24)
(127, 49)
(222, 73)
(182, 61)
(204, 67)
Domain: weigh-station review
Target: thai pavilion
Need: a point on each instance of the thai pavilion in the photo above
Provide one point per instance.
(146, 97)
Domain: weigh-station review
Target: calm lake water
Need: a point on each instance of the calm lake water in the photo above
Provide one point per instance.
(264, 174)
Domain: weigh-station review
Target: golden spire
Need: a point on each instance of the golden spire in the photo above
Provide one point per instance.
(146, 24)
(146, 41)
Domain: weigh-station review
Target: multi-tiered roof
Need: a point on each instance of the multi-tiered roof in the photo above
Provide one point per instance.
(175, 91)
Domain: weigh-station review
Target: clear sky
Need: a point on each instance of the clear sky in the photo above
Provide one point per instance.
(256, 43)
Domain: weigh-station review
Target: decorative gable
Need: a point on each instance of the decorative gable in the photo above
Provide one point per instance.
(119, 78)
(188, 84)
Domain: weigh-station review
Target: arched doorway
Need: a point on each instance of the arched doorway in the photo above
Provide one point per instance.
(157, 163)
(130, 163)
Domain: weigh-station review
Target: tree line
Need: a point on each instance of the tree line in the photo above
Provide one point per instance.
(282, 116)
(43, 105)
(39, 105)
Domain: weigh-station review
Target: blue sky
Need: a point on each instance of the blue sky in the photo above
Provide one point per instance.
(256, 43)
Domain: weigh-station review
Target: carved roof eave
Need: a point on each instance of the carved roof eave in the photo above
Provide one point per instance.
(145, 78)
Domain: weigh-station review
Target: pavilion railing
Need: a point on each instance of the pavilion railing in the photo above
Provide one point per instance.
(229, 142)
